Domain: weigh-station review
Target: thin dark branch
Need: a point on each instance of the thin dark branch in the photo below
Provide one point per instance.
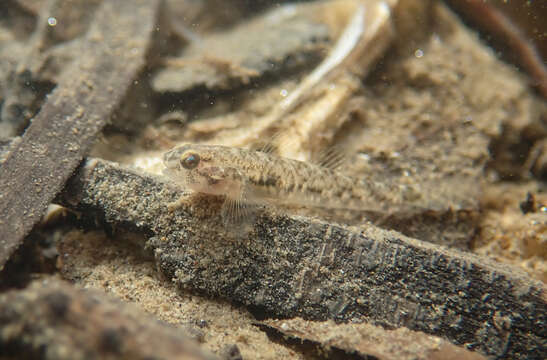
(66, 127)
(495, 23)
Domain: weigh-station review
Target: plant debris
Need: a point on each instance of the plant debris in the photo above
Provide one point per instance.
(249, 51)
(370, 341)
(53, 320)
(88, 92)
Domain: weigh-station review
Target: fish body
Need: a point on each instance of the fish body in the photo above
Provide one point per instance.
(253, 177)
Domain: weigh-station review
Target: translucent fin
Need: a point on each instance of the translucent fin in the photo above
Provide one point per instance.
(268, 146)
(273, 144)
(238, 215)
(238, 211)
(331, 158)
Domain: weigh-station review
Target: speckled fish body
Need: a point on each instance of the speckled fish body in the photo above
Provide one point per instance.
(256, 177)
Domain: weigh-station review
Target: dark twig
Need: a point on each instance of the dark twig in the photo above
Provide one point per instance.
(492, 21)
(61, 134)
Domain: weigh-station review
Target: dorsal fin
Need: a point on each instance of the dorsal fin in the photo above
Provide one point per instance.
(268, 146)
(238, 212)
(331, 158)
(272, 144)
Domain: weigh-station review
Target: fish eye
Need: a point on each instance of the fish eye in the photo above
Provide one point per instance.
(190, 161)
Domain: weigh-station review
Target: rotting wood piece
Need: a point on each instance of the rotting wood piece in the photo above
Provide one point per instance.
(53, 320)
(293, 266)
(65, 128)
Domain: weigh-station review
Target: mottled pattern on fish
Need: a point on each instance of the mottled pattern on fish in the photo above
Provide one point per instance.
(250, 176)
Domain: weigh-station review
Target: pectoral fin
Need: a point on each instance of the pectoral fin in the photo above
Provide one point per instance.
(237, 210)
